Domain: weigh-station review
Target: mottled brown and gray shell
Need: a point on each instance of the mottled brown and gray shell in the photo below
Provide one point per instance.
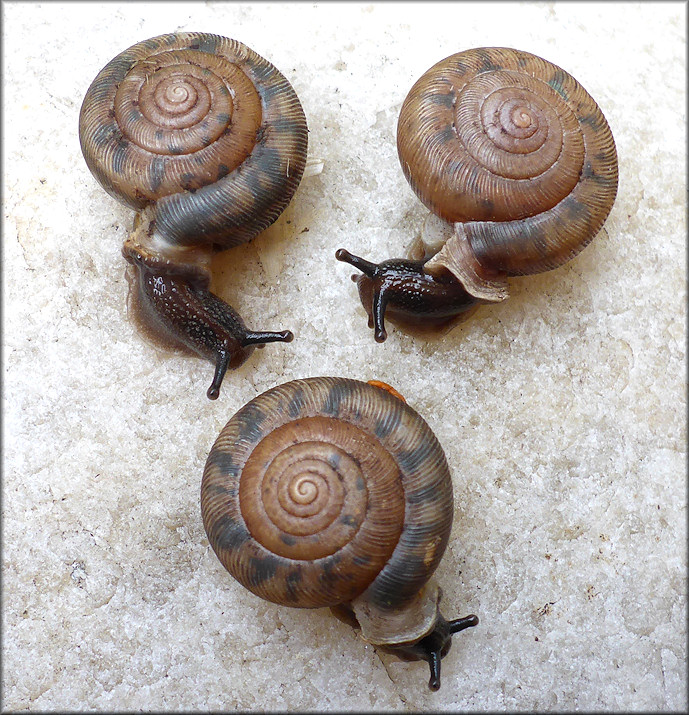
(330, 491)
(513, 148)
(208, 141)
(318, 488)
(202, 126)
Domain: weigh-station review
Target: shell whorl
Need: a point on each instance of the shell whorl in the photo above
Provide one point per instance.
(322, 488)
(514, 149)
(202, 127)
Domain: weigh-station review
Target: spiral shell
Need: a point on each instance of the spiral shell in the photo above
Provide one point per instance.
(514, 149)
(323, 488)
(202, 127)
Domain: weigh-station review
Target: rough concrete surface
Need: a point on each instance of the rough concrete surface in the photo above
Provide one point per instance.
(561, 410)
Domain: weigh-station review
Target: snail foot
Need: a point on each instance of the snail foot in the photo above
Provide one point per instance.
(179, 312)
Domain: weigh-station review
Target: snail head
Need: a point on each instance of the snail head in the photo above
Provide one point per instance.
(406, 293)
(435, 646)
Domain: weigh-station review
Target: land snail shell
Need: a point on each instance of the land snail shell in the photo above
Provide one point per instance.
(518, 165)
(333, 492)
(207, 141)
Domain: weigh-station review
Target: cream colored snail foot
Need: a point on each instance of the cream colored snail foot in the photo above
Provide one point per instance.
(517, 160)
(333, 492)
(207, 141)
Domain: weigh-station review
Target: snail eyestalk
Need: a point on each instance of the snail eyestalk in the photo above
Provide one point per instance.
(436, 645)
(254, 339)
(225, 357)
(404, 291)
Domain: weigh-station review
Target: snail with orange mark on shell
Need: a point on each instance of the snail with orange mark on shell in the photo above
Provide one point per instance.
(333, 492)
(207, 140)
(518, 165)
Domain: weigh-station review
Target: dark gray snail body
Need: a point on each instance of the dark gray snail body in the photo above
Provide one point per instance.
(333, 492)
(207, 141)
(518, 164)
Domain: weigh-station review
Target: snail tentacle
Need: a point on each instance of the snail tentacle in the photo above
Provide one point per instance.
(207, 140)
(436, 645)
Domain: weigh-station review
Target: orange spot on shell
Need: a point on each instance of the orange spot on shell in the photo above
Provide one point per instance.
(387, 388)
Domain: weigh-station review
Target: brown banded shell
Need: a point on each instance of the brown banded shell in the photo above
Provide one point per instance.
(202, 127)
(321, 489)
(514, 149)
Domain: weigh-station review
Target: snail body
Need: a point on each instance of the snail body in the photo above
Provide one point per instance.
(207, 141)
(518, 166)
(334, 492)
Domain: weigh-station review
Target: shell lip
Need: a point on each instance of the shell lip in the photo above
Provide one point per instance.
(458, 258)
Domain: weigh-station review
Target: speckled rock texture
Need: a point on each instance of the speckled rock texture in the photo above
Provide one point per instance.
(561, 410)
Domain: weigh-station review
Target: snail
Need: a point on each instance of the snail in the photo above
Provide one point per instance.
(207, 141)
(333, 492)
(518, 166)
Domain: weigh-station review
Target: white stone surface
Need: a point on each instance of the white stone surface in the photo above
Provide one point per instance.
(562, 410)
